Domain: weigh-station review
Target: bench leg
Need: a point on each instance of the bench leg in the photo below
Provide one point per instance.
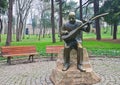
(51, 56)
(31, 56)
(9, 60)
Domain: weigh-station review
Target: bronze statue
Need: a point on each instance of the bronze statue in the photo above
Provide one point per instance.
(71, 34)
(74, 41)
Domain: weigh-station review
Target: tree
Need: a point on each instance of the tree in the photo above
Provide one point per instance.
(45, 22)
(22, 10)
(1, 27)
(61, 11)
(81, 12)
(60, 2)
(34, 24)
(52, 21)
(96, 11)
(97, 21)
(113, 18)
(67, 7)
(3, 6)
(9, 34)
(43, 7)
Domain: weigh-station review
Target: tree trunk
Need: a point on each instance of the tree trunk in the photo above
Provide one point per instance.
(23, 33)
(115, 31)
(111, 30)
(98, 31)
(9, 34)
(60, 17)
(19, 29)
(81, 16)
(44, 31)
(33, 31)
(0, 37)
(97, 22)
(40, 32)
(1, 27)
(52, 21)
(19, 32)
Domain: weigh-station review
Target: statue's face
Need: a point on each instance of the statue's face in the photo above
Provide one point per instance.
(72, 19)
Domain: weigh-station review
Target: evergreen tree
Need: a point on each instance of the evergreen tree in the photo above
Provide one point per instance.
(113, 18)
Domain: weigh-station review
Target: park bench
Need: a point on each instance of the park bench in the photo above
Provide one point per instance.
(12, 51)
(55, 49)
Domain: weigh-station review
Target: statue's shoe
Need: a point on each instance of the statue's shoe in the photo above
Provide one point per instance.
(65, 67)
(80, 67)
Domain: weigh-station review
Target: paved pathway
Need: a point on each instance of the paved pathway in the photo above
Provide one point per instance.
(38, 72)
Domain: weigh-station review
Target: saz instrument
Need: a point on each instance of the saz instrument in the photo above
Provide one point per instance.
(71, 35)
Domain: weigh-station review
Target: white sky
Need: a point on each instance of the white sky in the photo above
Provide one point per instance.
(35, 2)
(79, 0)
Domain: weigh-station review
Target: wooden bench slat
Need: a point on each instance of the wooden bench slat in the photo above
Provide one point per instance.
(5, 55)
(53, 49)
(21, 51)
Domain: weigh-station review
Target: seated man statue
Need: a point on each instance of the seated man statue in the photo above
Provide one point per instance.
(74, 43)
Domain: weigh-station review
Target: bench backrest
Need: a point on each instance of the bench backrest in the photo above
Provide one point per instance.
(53, 49)
(17, 50)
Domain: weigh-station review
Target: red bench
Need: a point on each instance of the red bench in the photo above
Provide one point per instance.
(11, 51)
(53, 50)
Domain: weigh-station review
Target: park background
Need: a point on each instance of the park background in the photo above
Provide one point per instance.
(44, 18)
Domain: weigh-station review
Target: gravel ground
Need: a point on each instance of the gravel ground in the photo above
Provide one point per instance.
(22, 72)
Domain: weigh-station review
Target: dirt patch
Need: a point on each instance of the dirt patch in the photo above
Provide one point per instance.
(104, 40)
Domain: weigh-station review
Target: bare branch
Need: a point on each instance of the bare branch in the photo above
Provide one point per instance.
(86, 3)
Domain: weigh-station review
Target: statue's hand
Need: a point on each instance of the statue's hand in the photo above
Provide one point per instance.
(65, 32)
(90, 22)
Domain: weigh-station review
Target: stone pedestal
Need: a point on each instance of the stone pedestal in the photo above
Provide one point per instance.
(73, 76)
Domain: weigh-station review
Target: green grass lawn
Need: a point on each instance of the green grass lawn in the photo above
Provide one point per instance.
(100, 48)
(93, 47)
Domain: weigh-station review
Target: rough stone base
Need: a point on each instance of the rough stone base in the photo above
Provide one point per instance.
(73, 76)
